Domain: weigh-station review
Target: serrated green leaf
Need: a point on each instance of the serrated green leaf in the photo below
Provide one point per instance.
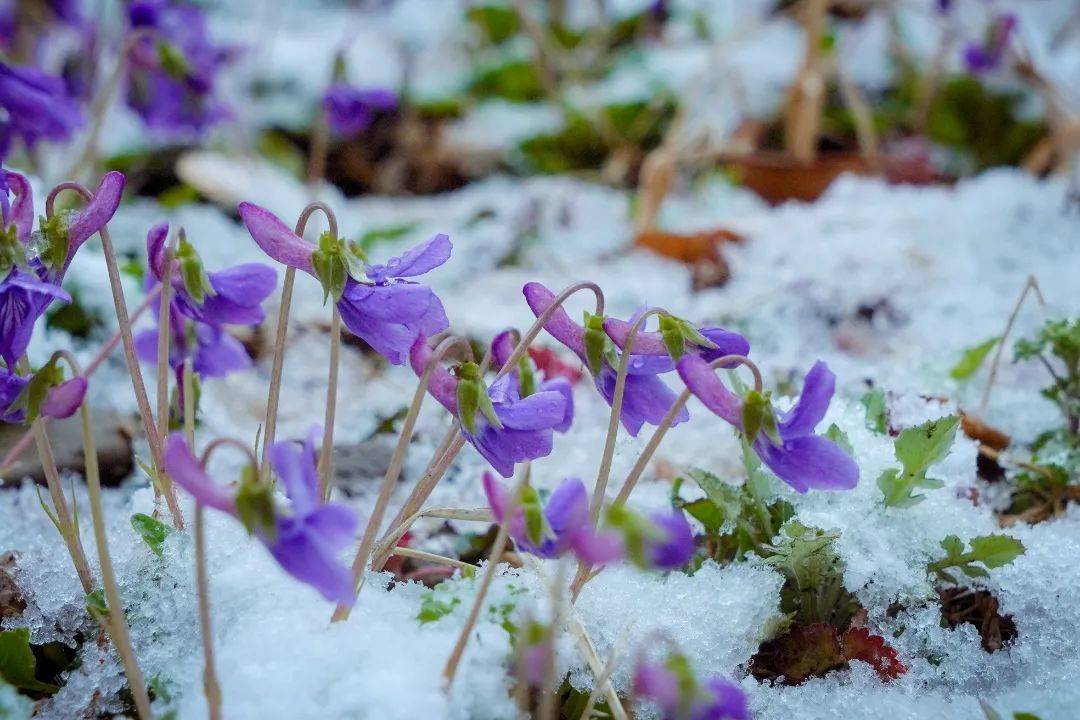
(953, 546)
(972, 360)
(994, 551)
(18, 667)
(920, 447)
(895, 487)
(151, 530)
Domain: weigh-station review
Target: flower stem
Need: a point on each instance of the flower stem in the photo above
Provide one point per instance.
(210, 683)
(103, 352)
(669, 418)
(326, 458)
(497, 548)
(188, 380)
(116, 621)
(270, 426)
(341, 612)
(65, 525)
(164, 336)
(134, 370)
(600, 488)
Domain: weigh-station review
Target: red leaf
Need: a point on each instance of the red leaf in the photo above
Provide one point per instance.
(553, 366)
(859, 644)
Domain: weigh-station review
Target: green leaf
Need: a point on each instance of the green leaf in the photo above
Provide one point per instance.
(497, 22)
(920, 447)
(151, 530)
(18, 667)
(434, 607)
(897, 492)
(515, 80)
(389, 233)
(839, 437)
(96, 605)
(995, 551)
(877, 418)
(972, 360)
(707, 513)
(953, 546)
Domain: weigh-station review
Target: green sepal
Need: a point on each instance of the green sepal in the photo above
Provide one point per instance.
(196, 281)
(472, 397)
(12, 252)
(57, 239)
(680, 667)
(534, 514)
(255, 505)
(596, 342)
(757, 416)
(96, 605)
(526, 377)
(172, 60)
(334, 263)
(151, 530)
(47, 377)
(672, 337)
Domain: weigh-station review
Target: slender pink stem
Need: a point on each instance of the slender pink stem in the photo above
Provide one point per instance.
(270, 426)
(326, 458)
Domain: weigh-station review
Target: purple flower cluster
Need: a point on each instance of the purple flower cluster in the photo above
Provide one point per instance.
(31, 284)
(382, 306)
(232, 296)
(306, 537)
(172, 73)
(679, 696)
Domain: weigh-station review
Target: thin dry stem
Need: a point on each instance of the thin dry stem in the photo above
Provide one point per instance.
(211, 688)
(1030, 285)
(432, 557)
(326, 457)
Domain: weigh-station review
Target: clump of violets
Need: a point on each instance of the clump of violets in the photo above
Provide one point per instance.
(553, 528)
(646, 397)
(202, 304)
(304, 536)
(173, 71)
(679, 695)
(379, 303)
(37, 107)
(786, 444)
(504, 426)
(984, 57)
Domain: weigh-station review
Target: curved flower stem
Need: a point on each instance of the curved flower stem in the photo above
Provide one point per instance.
(134, 370)
(497, 548)
(164, 336)
(103, 352)
(669, 418)
(453, 441)
(326, 457)
(270, 426)
(116, 621)
(210, 683)
(100, 105)
(600, 488)
(341, 612)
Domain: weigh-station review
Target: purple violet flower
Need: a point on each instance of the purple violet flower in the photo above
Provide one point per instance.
(560, 526)
(350, 110)
(646, 398)
(651, 343)
(171, 76)
(23, 299)
(673, 545)
(197, 314)
(38, 106)
(384, 309)
(505, 428)
(802, 459)
(987, 56)
(306, 538)
(502, 347)
(679, 696)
